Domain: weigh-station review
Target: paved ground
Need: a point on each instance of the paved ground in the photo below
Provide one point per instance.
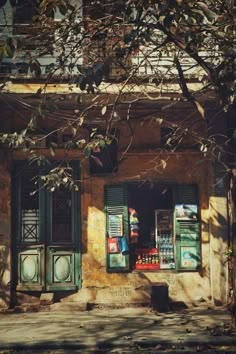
(131, 330)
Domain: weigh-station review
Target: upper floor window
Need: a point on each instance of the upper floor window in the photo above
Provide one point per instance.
(24, 11)
(104, 159)
(96, 9)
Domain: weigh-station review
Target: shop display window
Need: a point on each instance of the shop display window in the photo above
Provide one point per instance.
(158, 224)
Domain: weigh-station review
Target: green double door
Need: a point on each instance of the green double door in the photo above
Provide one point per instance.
(46, 228)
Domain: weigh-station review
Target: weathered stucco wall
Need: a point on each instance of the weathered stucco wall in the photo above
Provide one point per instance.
(100, 287)
(190, 287)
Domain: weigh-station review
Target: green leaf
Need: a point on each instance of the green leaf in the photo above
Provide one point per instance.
(159, 120)
(163, 164)
(210, 15)
(102, 143)
(2, 52)
(81, 120)
(9, 51)
(52, 151)
(104, 109)
(200, 109)
(54, 145)
(87, 151)
(74, 131)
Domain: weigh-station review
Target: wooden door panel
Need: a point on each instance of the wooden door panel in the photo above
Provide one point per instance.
(62, 269)
(31, 269)
(46, 232)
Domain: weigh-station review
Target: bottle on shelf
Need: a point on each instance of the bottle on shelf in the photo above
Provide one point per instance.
(139, 260)
(146, 258)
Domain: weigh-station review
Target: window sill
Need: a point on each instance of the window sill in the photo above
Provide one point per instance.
(147, 267)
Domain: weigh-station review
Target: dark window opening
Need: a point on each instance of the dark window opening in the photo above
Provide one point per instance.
(105, 159)
(160, 223)
(22, 67)
(23, 15)
(160, 216)
(25, 10)
(61, 216)
(145, 199)
(96, 9)
(6, 68)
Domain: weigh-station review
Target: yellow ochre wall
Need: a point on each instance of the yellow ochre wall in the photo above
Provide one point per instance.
(190, 287)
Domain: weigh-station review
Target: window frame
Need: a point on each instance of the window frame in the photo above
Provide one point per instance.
(194, 245)
(44, 250)
(107, 154)
(33, 11)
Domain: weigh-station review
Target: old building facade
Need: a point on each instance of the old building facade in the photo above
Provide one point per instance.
(146, 216)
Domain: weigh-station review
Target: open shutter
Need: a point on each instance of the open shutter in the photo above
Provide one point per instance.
(117, 230)
(187, 227)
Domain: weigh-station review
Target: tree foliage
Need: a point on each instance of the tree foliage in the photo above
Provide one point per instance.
(129, 44)
(113, 33)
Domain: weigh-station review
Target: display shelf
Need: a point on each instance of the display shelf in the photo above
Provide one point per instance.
(165, 238)
(147, 259)
(147, 266)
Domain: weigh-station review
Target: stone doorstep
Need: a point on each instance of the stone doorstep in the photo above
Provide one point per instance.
(46, 299)
(25, 308)
(68, 306)
(57, 307)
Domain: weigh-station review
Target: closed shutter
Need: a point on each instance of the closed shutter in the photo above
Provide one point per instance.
(46, 231)
(117, 229)
(187, 227)
(63, 270)
(28, 228)
(186, 194)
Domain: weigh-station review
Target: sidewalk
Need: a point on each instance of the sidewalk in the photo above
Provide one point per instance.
(97, 330)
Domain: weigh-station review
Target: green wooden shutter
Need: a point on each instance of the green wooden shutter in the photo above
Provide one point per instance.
(187, 227)
(42, 262)
(28, 228)
(63, 253)
(116, 208)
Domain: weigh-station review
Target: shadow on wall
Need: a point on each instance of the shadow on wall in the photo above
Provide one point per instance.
(218, 245)
(94, 271)
(220, 232)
